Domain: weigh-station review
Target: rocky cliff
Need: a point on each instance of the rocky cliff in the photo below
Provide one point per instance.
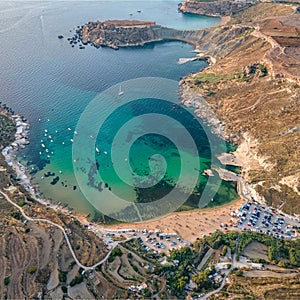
(124, 33)
(214, 8)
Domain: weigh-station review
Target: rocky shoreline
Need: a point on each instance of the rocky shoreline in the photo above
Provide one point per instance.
(214, 8)
(10, 152)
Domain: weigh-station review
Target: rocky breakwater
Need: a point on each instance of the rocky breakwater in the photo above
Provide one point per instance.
(214, 8)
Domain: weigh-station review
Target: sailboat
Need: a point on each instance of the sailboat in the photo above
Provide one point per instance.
(120, 91)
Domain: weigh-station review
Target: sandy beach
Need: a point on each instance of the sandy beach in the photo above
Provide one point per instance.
(188, 224)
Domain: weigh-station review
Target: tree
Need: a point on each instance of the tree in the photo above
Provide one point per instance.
(182, 282)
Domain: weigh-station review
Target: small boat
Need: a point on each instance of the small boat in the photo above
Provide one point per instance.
(63, 143)
(47, 150)
(120, 91)
(43, 146)
(75, 132)
(105, 152)
(97, 150)
(46, 130)
(71, 140)
(69, 129)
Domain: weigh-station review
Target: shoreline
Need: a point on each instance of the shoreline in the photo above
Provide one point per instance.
(198, 216)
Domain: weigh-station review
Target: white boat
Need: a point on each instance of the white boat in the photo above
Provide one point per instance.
(97, 150)
(120, 91)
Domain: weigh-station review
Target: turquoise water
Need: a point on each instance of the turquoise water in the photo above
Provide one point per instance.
(51, 83)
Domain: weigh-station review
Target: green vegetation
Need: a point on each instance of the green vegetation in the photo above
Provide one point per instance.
(278, 250)
(115, 252)
(147, 293)
(218, 239)
(21, 203)
(16, 214)
(32, 269)
(224, 250)
(27, 229)
(178, 276)
(64, 289)
(263, 70)
(77, 280)
(77, 247)
(6, 281)
(212, 78)
(204, 283)
(62, 276)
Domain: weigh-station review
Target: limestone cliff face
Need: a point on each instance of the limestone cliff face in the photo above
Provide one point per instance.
(117, 34)
(214, 8)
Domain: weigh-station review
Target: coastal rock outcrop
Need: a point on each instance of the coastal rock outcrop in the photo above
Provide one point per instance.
(125, 33)
(214, 8)
(115, 34)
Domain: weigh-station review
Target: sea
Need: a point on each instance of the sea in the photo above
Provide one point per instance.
(51, 84)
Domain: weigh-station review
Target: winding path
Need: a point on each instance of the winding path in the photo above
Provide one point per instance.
(86, 268)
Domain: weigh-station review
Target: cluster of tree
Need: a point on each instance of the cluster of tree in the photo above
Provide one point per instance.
(218, 239)
(16, 214)
(115, 252)
(277, 249)
(178, 272)
(204, 283)
(76, 280)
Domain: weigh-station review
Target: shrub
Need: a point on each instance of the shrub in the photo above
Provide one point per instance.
(21, 203)
(62, 276)
(16, 215)
(6, 281)
(76, 280)
(32, 269)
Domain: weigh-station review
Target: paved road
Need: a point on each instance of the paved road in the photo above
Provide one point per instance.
(64, 232)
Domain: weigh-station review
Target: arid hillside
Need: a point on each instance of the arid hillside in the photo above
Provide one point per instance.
(253, 86)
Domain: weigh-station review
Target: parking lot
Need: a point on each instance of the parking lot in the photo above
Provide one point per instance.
(255, 217)
(154, 239)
